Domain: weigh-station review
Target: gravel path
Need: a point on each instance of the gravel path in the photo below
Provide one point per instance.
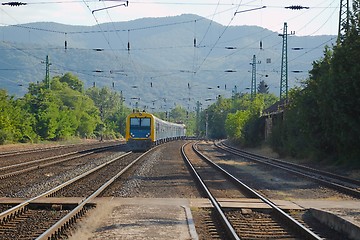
(271, 182)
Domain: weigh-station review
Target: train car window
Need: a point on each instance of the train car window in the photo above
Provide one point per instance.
(145, 122)
(135, 121)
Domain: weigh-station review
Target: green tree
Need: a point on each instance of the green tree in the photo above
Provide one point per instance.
(178, 114)
(44, 106)
(78, 114)
(215, 116)
(245, 125)
(72, 81)
(61, 112)
(263, 87)
(322, 119)
(13, 128)
(112, 111)
(235, 123)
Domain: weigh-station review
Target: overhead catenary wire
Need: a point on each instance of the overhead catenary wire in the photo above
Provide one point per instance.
(102, 31)
(112, 48)
(139, 28)
(210, 23)
(218, 39)
(318, 15)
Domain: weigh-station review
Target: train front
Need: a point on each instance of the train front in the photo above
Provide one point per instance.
(139, 131)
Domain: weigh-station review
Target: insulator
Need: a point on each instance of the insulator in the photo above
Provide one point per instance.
(65, 45)
(14, 4)
(261, 45)
(128, 47)
(194, 42)
(296, 7)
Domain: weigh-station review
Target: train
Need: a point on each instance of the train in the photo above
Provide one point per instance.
(144, 130)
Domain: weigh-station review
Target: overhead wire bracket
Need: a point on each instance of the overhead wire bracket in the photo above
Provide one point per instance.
(126, 4)
(248, 10)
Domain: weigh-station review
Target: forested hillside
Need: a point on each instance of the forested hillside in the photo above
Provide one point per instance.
(161, 61)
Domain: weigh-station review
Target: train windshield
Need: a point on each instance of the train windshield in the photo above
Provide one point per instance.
(140, 127)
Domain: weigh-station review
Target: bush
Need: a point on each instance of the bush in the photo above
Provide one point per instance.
(3, 137)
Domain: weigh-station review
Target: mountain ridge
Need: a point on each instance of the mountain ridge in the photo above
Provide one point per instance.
(162, 61)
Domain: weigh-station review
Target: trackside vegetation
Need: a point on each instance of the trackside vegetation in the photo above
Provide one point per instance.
(64, 110)
(322, 119)
(237, 118)
(61, 110)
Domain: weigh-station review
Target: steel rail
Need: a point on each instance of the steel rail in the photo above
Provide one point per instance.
(35, 161)
(229, 228)
(308, 234)
(82, 154)
(45, 149)
(11, 174)
(341, 188)
(17, 210)
(58, 228)
(25, 151)
(308, 169)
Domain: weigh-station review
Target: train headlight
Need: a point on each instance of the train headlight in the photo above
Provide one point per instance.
(148, 135)
(131, 134)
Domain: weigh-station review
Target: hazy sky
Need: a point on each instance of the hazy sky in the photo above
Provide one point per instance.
(320, 18)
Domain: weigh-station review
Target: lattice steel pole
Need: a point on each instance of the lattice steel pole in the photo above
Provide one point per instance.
(344, 20)
(253, 78)
(284, 66)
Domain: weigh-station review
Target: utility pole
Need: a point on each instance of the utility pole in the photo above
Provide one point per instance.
(198, 104)
(47, 72)
(253, 78)
(344, 20)
(234, 92)
(206, 125)
(284, 66)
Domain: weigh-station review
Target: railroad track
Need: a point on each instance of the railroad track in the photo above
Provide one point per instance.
(85, 146)
(246, 224)
(27, 166)
(53, 221)
(340, 183)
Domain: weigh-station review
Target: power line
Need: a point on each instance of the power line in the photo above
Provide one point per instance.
(212, 48)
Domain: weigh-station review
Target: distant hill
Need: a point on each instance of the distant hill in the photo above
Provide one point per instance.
(162, 61)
